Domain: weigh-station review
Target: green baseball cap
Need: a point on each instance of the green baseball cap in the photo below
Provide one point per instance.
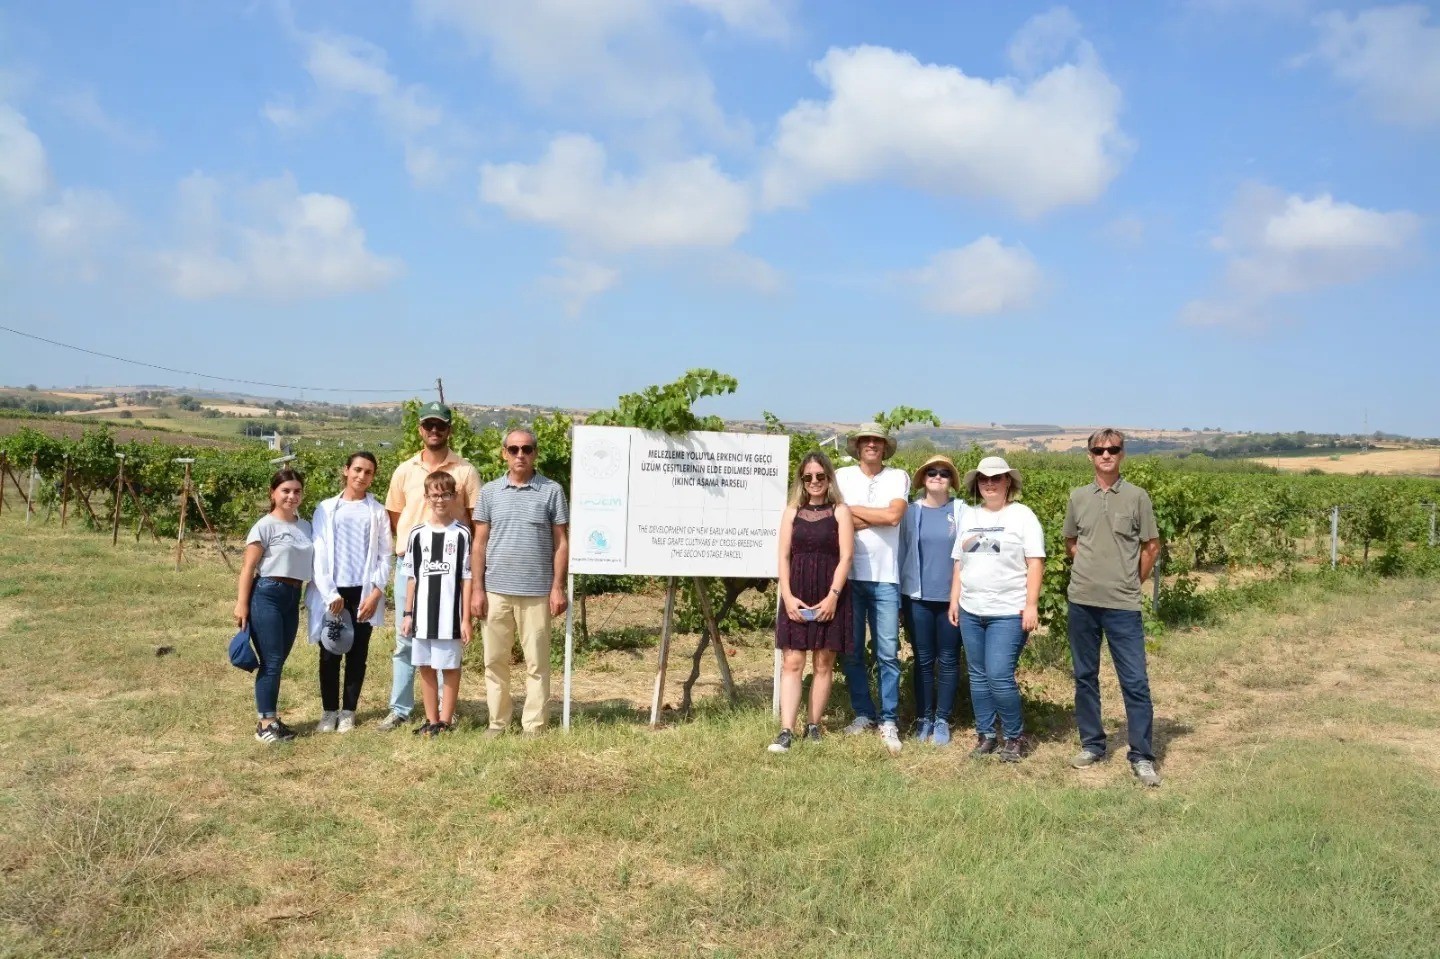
(435, 411)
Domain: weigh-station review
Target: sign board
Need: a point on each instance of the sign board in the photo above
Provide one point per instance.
(693, 504)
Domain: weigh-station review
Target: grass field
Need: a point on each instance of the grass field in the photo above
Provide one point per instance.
(1385, 462)
(1300, 814)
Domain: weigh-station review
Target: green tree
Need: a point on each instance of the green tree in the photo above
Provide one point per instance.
(668, 408)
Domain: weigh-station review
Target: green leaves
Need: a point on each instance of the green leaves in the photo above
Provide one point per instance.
(668, 408)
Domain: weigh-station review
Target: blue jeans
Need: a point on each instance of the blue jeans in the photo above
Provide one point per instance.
(274, 620)
(937, 658)
(879, 605)
(402, 673)
(1122, 627)
(992, 648)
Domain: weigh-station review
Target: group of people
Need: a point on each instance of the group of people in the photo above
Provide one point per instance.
(866, 544)
(459, 550)
(859, 547)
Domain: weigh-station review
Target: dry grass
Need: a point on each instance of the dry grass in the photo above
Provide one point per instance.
(1387, 462)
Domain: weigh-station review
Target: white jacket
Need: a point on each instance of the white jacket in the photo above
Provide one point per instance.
(378, 553)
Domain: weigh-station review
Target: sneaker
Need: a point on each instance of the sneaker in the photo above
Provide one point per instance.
(890, 736)
(345, 722)
(782, 742)
(861, 724)
(275, 732)
(1086, 757)
(392, 721)
(984, 745)
(1014, 749)
(328, 720)
(923, 729)
(1144, 771)
(812, 733)
(433, 730)
(940, 735)
(424, 729)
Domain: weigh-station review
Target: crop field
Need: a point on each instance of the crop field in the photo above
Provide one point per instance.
(1389, 462)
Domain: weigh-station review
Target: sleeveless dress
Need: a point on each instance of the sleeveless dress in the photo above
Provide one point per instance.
(814, 554)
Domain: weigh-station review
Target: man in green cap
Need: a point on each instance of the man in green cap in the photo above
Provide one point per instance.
(405, 503)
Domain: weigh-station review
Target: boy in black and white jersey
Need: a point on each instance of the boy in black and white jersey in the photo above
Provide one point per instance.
(437, 601)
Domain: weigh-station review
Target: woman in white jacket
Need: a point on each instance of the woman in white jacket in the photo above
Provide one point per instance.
(352, 568)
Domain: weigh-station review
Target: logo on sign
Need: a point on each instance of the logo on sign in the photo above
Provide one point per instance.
(601, 502)
(602, 460)
(598, 542)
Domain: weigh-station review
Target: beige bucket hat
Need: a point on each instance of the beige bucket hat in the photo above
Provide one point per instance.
(995, 466)
(870, 429)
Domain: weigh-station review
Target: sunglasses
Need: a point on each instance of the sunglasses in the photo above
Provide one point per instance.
(993, 479)
(933, 473)
(434, 426)
(1102, 450)
(526, 449)
(814, 478)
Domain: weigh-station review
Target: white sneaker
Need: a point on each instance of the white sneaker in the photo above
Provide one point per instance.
(346, 722)
(890, 736)
(861, 724)
(327, 722)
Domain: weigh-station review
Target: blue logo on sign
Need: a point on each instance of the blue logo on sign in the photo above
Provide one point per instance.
(598, 541)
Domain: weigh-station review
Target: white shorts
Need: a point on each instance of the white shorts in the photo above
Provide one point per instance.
(436, 653)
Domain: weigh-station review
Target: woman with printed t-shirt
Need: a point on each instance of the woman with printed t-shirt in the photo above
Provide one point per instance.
(352, 569)
(279, 557)
(995, 598)
(927, 542)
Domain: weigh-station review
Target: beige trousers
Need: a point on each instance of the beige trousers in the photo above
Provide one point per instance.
(529, 618)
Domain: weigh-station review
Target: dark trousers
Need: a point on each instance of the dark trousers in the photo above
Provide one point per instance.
(1123, 629)
(937, 658)
(274, 619)
(354, 660)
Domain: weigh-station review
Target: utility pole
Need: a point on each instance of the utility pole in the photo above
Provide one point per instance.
(440, 388)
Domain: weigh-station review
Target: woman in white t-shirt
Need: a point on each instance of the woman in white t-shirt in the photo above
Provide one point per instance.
(352, 569)
(995, 599)
(279, 554)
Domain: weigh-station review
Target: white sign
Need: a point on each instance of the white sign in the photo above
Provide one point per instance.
(694, 504)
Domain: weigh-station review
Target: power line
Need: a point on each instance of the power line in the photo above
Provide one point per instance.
(208, 376)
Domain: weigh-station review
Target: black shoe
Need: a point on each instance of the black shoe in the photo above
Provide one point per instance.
(268, 734)
(782, 742)
(1014, 749)
(812, 733)
(424, 729)
(285, 732)
(984, 746)
(435, 729)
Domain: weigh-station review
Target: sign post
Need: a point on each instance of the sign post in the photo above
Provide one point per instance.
(700, 504)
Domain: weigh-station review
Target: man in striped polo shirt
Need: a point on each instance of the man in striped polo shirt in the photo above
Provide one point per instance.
(522, 551)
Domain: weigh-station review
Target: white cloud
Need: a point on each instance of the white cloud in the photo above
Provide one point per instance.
(24, 174)
(1043, 41)
(275, 243)
(83, 107)
(982, 278)
(344, 67)
(612, 58)
(79, 227)
(1390, 56)
(1036, 145)
(1280, 246)
(684, 203)
(577, 282)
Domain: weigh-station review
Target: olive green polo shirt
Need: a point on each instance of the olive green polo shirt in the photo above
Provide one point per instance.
(1109, 527)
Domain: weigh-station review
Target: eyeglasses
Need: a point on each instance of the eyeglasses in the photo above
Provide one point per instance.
(434, 426)
(933, 473)
(815, 478)
(526, 449)
(439, 496)
(1102, 450)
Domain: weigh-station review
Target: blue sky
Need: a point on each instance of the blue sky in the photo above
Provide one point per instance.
(1202, 213)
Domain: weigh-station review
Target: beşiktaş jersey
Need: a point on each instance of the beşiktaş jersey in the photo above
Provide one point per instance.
(438, 558)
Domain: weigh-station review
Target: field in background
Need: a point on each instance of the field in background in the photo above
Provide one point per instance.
(1387, 462)
(1299, 816)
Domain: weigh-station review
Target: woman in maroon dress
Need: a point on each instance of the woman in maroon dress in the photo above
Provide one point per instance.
(817, 538)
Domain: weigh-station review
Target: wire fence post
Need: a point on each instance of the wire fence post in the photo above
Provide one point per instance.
(65, 491)
(119, 492)
(34, 476)
(1334, 536)
(1432, 524)
(184, 503)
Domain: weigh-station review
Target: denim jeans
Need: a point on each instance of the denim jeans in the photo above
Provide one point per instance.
(402, 673)
(992, 648)
(354, 661)
(1123, 629)
(937, 657)
(879, 605)
(274, 620)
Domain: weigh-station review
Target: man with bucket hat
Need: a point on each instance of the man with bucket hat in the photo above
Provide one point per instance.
(405, 502)
(877, 495)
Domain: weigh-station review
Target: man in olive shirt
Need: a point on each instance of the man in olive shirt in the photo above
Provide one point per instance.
(1111, 536)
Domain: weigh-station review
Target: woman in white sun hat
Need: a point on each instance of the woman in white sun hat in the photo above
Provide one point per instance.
(994, 599)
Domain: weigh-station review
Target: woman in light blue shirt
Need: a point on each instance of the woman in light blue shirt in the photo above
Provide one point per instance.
(927, 539)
